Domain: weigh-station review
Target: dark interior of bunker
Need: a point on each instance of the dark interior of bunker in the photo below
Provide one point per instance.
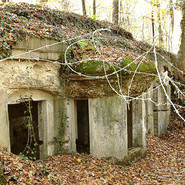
(24, 135)
(82, 143)
(129, 124)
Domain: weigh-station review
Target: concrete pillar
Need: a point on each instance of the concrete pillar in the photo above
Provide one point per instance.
(139, 123)
(50, 127)
(46, 128)
(71, 128)
(4, 122)
(163, 110)
(58, 108)
(108, 127)
(42, 126)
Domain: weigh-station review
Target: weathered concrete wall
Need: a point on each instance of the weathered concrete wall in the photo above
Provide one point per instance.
(71, 127)
(46, 49)
(163, 110)
(150, 112)
(139, 123)
(17, 74)
(4, 124)
(108, 128)
(40, 82)
(92, 87)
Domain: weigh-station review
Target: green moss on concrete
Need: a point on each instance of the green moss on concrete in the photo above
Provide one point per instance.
(144, 67)
(134, 154)
(90, 67)
(97, 67)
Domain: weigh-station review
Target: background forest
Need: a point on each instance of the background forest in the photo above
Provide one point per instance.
(145, 19)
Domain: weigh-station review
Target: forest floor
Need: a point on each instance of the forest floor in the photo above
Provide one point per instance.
(163, 164)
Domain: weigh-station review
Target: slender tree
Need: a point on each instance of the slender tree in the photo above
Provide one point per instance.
(156, 10)
(159, 23)
(84, 7)
(153, 24)
(181, 53)
(172, 15)
(94, 8)
(115, 13)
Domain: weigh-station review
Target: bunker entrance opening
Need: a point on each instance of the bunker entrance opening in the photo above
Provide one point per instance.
(129, 125)
(82, 142)
(24, 132)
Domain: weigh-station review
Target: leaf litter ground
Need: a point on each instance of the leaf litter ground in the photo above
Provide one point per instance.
(163, 164)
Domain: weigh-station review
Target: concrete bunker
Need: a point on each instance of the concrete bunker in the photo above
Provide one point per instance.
(24, 131)
(112, 130)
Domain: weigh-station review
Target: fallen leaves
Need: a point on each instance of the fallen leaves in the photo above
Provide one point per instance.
(20, 20)
(163, 164)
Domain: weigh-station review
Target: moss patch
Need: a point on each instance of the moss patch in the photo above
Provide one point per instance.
(134, 154)
(91, 67)
(97, 67)
(144, 67)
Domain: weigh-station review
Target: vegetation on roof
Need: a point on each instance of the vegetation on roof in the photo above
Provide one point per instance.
(20, 20)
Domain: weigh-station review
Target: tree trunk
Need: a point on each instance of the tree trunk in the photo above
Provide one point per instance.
(153, 25)
(172, 15)
(115, 13)
(160, 24)
(121, 15)
(181, 53)
(94, 8)
(84, 7)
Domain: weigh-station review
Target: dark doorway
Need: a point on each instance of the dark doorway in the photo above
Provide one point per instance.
(24, 134)
(129, 124)
(82, 143)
